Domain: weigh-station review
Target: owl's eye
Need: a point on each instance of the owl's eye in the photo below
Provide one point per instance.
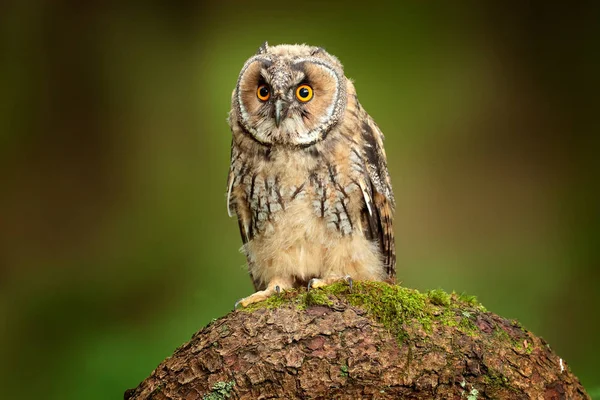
(263, 93)
(304, 93)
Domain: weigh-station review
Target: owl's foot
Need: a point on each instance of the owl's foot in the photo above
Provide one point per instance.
(317, 283)
(261, 295)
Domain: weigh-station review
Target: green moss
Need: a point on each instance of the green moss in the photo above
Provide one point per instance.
(220, 391)
(275, 301)
(439, 297)
(529, 348)
(466, 325)
(522, 346)
(344, 371)
(469, 300)
(391, 305)
(456, 316)
(502, 334)
(525, 346)
(449, 319)
(299, 297)
(495, 380)
(316, 297)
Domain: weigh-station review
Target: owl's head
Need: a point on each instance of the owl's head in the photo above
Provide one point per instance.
(289, 95)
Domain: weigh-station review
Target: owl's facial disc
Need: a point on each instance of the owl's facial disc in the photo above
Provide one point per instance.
(289, 101)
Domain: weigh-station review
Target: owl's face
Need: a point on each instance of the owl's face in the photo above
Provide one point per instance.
(289, 95)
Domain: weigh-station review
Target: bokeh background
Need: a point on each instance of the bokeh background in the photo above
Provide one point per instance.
(115, 245)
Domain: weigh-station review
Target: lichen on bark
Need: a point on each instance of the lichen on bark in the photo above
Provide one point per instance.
(376, 341)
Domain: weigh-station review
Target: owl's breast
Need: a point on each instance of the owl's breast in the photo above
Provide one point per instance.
(320, 197)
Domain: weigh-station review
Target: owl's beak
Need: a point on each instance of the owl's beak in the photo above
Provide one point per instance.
(278, 111)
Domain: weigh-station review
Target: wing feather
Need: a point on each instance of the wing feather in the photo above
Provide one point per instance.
(377, 216)
(239, 206)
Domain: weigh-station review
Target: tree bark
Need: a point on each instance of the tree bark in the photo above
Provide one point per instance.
(376, 341)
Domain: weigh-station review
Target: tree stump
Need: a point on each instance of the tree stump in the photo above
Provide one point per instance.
(374, 341)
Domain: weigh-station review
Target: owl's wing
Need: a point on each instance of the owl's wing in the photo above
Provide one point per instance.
(236, 170)
(377, 215)
(243, 223)
(237, 207)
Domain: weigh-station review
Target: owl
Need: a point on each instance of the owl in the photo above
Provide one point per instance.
(308, 180)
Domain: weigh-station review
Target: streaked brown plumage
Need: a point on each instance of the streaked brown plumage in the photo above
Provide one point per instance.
(308, 179)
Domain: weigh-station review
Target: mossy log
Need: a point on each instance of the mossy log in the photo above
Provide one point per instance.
(377, 341)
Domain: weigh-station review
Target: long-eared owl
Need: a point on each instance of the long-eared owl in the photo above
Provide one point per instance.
(308, 180)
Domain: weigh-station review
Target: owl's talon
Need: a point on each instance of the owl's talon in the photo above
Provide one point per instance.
(261, 295)
(315, 283)
(237, 304)
(349, 281)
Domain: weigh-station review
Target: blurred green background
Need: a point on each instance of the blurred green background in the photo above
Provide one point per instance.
(115, 245)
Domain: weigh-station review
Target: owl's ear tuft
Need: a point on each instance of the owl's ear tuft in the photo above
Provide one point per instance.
(263, 48)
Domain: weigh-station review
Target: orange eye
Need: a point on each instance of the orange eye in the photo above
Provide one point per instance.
(304, 93)
(263, 93)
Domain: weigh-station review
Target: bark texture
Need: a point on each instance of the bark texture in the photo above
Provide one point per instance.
(375, 342)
